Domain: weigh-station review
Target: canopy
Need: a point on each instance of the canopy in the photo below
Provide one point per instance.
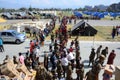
(83, 29)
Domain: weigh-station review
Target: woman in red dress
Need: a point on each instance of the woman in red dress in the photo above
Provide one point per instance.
(111, 57)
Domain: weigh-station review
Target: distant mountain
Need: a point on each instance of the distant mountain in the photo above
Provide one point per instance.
(96, 8)
(114, 7)
(89, 8)
(111, 8)
(100, 8)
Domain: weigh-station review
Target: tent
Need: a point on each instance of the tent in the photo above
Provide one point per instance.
(113, 14)
(83, 29)
(101, 15)
(78, 14)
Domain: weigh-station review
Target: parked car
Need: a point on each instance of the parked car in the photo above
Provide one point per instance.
(8, 16)
(12, 36)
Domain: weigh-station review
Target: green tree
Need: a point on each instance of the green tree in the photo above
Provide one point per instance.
(30, 8)
(23, 9)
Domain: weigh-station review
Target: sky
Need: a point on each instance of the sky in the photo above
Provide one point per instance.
(53, 3)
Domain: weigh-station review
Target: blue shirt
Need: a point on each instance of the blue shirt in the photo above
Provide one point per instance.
(1, 41)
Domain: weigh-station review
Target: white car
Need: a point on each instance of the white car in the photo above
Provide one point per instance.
(12, 36)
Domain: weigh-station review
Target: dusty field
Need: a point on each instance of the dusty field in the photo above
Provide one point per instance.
(2, 20)
(103, 34)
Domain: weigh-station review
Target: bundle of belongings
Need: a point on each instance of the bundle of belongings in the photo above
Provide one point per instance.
(11, 71)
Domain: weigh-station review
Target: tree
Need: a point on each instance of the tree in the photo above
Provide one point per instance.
(23, 9)
(30, 8)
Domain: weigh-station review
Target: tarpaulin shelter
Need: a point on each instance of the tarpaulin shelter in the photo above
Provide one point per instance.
(83, 29)
(87, 12)
(78, 14)
(113, 14)
(105, 13)
(101, 15)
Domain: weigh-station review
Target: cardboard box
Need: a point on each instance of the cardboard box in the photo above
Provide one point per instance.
(23, 68)
(4, 77)
(8, 69)
(117, 73)
(27, 77)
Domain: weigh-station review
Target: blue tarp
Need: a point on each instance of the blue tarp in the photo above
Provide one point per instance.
(78, 14)
(105, 13)
(113, 14)
(87, 13)
(101, 15)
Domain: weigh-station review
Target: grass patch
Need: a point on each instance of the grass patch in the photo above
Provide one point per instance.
(4, 27)
(110, 18)
(103, 34)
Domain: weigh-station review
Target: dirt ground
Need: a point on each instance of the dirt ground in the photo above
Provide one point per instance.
(2, 20)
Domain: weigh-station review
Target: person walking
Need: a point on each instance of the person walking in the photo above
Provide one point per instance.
(53, 60)
(105, 51)
(113, 32)
(21, 58)
(59, 69)
(69, 72)
(96, 68)
(52, 37)
(111, 57)
(46, 61)
(98, 52)
(92, 56)
(79, 70)
(1, 45)
(64, 62)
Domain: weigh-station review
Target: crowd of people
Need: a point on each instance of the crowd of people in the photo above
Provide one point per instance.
(64, 60)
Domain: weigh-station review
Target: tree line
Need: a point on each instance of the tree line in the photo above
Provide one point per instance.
(111, 8)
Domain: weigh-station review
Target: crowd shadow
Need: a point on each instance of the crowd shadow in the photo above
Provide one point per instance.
(27, 47)
(86, 62)
(45, 52)
(118, 48)
(13, 43)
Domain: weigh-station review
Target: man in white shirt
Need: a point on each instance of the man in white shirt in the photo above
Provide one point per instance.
(71, 58)
(64, 62)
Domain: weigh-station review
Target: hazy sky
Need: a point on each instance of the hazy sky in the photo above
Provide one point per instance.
(53, 3)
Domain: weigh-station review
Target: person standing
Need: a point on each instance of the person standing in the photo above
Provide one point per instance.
(79, 70)
(96, 68)
(92, 56)
(111, 57)
(113, 32)
(53, 60)
(15, 61)
(98, 52)
(71, 58)
(105, 51)
(52, 37)
(64, 62)
(21, 58)
(1, 45)
(59, 69)
(46, 61)
(6, 58)
(69, 72)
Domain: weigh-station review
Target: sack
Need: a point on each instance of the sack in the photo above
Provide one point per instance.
(109, 69)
